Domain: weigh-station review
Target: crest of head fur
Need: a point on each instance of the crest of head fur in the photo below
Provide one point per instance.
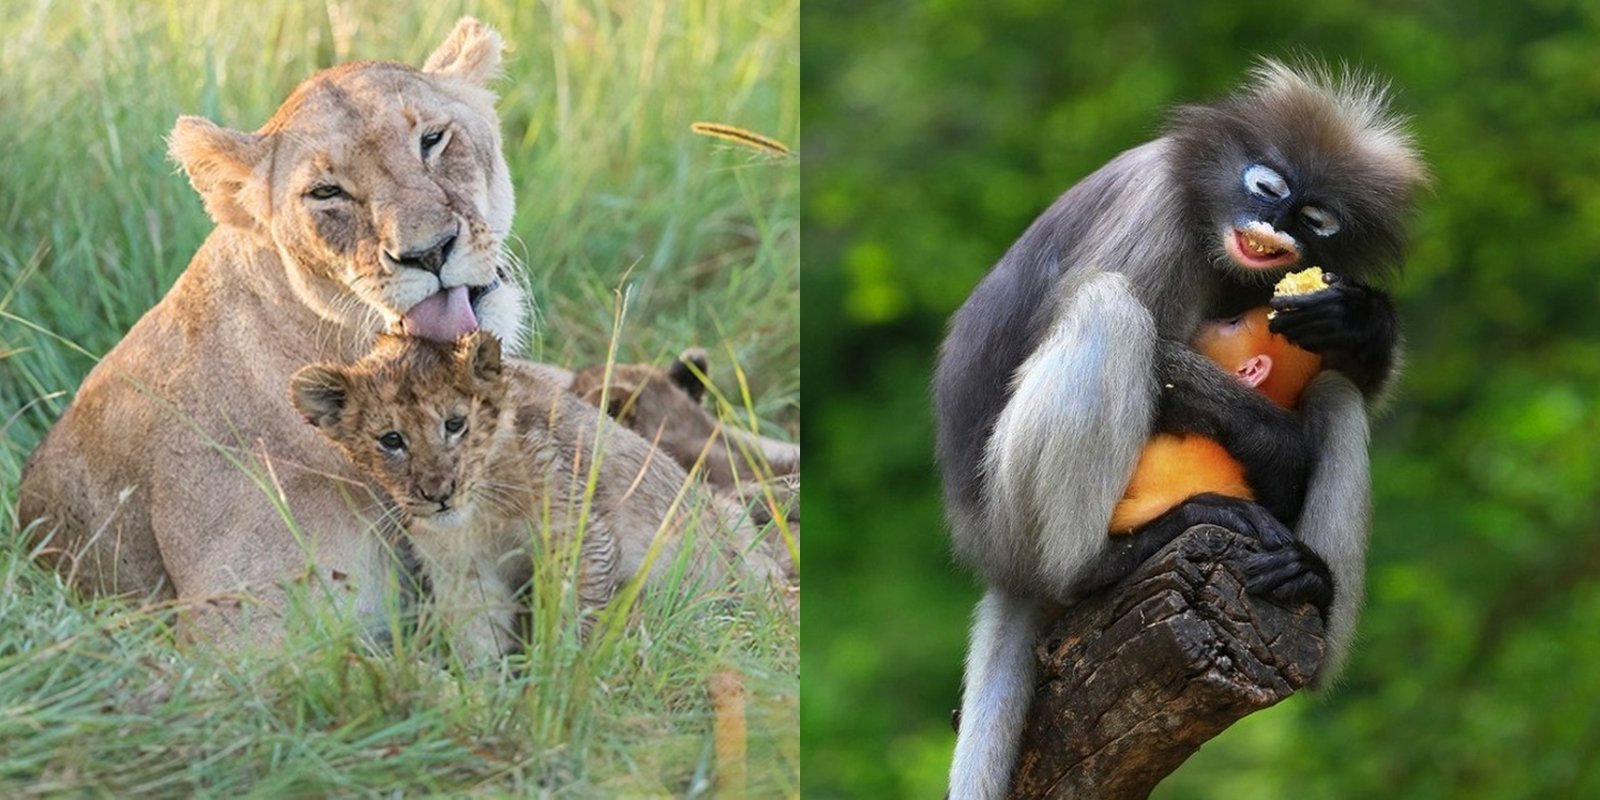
(1346, 112)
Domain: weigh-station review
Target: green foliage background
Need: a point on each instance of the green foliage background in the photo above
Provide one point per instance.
(937, 130)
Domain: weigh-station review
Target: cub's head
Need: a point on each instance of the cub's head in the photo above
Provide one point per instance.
(381, 187)
(415, 417)
(651, 400)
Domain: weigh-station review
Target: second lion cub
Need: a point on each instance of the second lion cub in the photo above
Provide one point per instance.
(484, 468)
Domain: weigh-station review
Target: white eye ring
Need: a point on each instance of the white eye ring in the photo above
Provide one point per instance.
(1265, 183)
(1321, 222)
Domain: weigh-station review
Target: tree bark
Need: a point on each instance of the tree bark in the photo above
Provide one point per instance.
(1134, 679)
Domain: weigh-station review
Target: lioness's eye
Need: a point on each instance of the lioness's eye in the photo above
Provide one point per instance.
(455, 424)
(327, 191)
(392, 441)
(429, 140)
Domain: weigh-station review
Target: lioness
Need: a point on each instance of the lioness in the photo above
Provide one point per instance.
(376, 198)
(666, 407)
(481, 468)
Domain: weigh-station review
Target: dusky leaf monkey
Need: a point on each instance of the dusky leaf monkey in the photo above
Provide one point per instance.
(1175, 467)
(1073, 351)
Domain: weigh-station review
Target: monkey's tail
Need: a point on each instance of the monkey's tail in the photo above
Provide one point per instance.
(998, 688)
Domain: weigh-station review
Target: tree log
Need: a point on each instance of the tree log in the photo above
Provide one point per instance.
(1135, 678)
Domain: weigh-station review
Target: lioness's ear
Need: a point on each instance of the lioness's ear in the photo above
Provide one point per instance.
(688, 379)
(471, 53)
(479, 357)
(319, 393)
(219, 163)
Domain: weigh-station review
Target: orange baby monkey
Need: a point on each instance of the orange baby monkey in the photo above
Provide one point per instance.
(1174, 467)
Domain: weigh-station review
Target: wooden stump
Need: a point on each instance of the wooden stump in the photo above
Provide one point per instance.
(1134, 679)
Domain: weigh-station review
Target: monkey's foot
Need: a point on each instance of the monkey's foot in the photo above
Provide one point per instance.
(1292, 574)
(1286, 571)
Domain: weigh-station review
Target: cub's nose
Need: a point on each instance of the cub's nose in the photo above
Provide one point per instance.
(430, 257)
(437, 492)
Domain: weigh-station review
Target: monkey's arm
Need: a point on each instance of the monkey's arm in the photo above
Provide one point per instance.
(1030, 485)
(1040, 424)
(1353, 327)
(1338, 507)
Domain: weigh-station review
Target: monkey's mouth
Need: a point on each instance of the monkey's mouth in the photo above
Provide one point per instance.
(1260, 246)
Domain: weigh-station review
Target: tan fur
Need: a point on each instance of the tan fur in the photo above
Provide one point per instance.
(664, 406)
(137, 489)
(512, 478)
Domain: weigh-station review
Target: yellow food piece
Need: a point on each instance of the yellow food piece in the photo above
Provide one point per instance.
(1305, 281)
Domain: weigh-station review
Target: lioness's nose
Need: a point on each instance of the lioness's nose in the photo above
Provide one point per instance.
(430, 257)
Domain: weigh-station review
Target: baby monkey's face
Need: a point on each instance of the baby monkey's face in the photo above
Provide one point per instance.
(416, 418)
(1263, 360)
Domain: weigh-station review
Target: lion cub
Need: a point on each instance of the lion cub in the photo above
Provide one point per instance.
(482, 468)
(666, 407)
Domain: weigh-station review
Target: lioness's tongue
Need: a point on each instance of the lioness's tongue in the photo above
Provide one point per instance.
(443, 316)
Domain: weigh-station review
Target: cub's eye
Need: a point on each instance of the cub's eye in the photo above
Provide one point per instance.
(1265, 183)
(455, 424)
(327, 191)
(430, 140)
(392, 441)
(1320, 222)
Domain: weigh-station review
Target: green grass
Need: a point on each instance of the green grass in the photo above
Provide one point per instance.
(614, 192)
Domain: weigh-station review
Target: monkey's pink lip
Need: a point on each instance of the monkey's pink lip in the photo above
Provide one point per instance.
(1239, 249)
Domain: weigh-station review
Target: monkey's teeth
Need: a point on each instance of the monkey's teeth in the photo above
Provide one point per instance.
(1260, 249)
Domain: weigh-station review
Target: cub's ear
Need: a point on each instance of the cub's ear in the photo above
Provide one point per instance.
(478, 355)
(687, 379)
(471, 53)
(319, 393)
(617, 407)
(220, 162)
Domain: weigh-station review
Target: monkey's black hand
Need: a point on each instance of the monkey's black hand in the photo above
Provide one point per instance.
(1291, 574)
(1353, 326)
(1287, 570)
(1239, 516)
(1126, 553)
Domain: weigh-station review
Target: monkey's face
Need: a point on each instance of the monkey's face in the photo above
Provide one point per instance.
(1276, 224)
(1292, 174)
(1274, 208)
